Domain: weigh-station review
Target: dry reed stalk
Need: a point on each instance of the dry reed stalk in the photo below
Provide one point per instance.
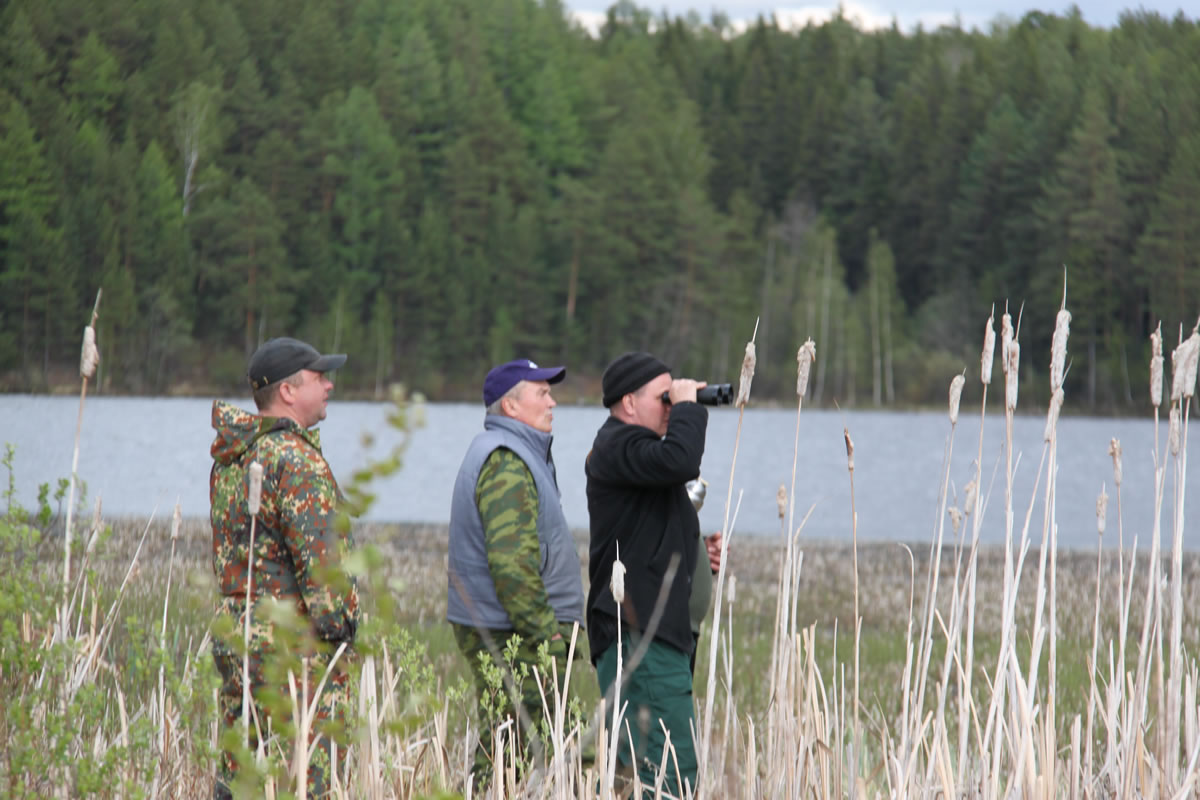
(253, 504)
(1184, 360)
(912, 727)
(743, 396)
(1101, 524)
(617, 584)
(88, 359)
(856, 735)
(805, 355)
(83, 670)
(176, 519)
(973, 507)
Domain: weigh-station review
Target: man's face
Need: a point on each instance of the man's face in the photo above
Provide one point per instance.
(649, 410)
(533, 405)
(310, 398)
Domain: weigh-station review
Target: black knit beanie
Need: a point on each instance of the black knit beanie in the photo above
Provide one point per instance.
(628, 373)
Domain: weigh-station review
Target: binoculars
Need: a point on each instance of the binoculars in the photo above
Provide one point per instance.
(715, 394)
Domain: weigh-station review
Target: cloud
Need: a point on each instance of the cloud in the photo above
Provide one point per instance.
(591, 21)
(866, 17)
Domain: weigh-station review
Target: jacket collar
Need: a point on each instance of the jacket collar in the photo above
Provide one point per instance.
(538, 441)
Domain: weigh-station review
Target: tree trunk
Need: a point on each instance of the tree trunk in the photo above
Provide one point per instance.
(1092, 370)
(889, 378)
(572, 296)
(876, 344)
(764, 327)
(826, 291)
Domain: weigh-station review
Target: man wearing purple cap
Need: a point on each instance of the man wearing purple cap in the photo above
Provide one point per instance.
(513, 570)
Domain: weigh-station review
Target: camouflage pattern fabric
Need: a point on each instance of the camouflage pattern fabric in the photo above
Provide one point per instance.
(273, 712)
(297, 549)
(507, 498)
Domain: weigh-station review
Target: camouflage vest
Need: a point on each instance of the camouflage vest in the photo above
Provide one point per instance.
(471, 598)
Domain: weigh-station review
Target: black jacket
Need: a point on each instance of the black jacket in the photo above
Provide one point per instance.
(636, 499)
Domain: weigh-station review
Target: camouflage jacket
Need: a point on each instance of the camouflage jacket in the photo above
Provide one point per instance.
(297, 547)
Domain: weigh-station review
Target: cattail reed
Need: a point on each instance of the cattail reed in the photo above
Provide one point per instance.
(805, 356)
(956, 387)
(989, 349)
(1183, 368)
(89, 356)
(1114, 450)
(1173, 432)
(1191, 362)
(781, 501)
(1058, 346)
(253, 503)
(1156, 367)
(254, 497)
(1101, 511)
(956, 518)
(1010, 351)
(617, 583)
(849, 449)
(970, 495)
(1056, 401)
(743, 395)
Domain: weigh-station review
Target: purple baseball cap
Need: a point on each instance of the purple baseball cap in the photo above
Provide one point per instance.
(502, 378)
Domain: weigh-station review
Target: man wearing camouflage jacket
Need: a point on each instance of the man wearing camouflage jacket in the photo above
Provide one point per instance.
(296, 554)
(513, 570)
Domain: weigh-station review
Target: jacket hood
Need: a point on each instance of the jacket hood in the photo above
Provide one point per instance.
(237, 430)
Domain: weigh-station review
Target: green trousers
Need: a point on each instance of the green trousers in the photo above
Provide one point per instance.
(496, 704)
(659, 694)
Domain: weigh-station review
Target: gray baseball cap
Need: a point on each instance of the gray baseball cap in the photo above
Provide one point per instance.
(276, 359)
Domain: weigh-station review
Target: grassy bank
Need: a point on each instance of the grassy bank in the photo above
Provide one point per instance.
(857, 670)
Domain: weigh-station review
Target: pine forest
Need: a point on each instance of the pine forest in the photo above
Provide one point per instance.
(435, 186)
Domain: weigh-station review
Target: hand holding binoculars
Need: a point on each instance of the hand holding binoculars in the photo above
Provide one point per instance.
(714, 394)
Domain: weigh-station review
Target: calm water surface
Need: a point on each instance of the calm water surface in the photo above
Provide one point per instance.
(145, 453)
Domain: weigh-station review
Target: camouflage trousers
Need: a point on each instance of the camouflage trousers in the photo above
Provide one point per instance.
(495, 705)
(273, 711)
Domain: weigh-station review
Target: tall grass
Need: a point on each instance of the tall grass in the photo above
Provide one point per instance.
(1008, 671)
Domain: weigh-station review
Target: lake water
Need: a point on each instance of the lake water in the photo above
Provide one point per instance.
(143, 453)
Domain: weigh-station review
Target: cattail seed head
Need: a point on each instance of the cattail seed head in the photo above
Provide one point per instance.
(743, 395)
(1006, 338)
(1012, 376)
(732, 588)
(1156, 366)
(176, 519)
(956, 387)
(1178, 371)
(1101, 511)
(956, 518)
(254, 498)
(1058, 348)
(849, 449)
(617, 584)
(89, 356)
(781, 501)
(970, 494)
(805, 356)
(989, 349)
(1191, 362)
(1114, 450)
(1056, 401)
(1173, 434)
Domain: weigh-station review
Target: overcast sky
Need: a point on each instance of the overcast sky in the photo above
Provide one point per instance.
(879, 13)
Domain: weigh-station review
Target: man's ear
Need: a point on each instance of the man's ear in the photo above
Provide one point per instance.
(290, 391)
(627, 403)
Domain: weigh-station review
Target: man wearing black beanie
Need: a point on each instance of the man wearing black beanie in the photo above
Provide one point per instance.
(643, 455)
